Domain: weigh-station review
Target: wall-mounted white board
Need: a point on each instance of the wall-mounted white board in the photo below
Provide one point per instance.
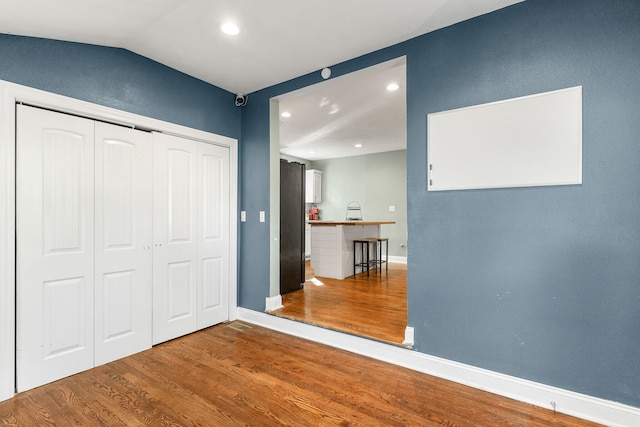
(534, 140)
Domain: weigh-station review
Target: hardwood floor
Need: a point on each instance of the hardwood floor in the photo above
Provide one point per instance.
(373, 307)
(238, 374)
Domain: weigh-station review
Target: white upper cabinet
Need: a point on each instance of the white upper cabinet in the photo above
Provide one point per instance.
(313, 193)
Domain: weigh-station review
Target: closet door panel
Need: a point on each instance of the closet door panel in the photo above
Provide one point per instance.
(175, 245)
(55, 246)
(123, 167)
(213, 234)
(180, 297)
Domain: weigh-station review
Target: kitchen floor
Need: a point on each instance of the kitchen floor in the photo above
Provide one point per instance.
(373, 307)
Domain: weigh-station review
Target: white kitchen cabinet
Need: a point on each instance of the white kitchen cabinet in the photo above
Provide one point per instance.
(313, 191)
(307, 241)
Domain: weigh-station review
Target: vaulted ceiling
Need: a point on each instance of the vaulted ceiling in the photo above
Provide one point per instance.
(278, 40)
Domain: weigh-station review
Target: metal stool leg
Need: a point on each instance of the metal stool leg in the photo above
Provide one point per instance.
(365, 255)
(386, 256)
(355, 258)
(376, 259)
(386, 260)
(367, 246)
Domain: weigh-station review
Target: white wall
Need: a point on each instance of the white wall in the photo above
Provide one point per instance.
(376, 181)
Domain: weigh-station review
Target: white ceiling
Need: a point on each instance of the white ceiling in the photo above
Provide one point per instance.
(328, 119)
(279, 39)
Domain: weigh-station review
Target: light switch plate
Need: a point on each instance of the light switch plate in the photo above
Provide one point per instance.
(243, 216)
(392, 208)
(261, 216)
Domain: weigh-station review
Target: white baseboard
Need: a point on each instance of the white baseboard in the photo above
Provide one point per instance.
(564, 401)
(273, 303)
(399, 259)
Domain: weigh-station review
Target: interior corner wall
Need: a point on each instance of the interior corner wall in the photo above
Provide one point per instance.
(119, 79)
(539, 283)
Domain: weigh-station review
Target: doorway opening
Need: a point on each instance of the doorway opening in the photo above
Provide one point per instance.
(353, 129)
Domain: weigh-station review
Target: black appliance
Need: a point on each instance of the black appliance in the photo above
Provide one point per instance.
(292, 224)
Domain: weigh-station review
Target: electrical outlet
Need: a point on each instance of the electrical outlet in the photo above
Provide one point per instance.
(392, 208)
(243, 216)
(262, 217)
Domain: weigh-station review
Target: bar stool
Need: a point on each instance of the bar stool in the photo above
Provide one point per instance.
(364, 249)
(381, 240)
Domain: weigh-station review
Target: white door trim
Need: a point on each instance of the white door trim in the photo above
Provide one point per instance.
(10, 94)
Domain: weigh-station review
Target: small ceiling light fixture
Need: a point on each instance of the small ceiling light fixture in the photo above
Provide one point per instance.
(325, 73)
(358, 145)
(286, 114)
(392, 87)
(230, 28)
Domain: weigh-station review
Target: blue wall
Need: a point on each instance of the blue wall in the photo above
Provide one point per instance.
(119, 79)
(540, 283)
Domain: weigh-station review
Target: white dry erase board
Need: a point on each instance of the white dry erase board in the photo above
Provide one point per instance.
(522, 142)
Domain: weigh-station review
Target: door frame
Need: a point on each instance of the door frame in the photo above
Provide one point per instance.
(10, 94)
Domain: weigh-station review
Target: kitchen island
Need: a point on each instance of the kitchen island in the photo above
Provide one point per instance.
(332, 245)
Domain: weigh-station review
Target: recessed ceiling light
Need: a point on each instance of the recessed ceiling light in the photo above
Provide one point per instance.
(392, 86)
(230, 28)
(358, 145)
(286, 114)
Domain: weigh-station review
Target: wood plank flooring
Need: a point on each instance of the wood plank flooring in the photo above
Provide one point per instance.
(373, 307)
(237, 374)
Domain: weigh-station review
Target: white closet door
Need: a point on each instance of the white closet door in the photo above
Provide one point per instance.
(213, 235)
(123, 260)
(55, 247)
(175, 243)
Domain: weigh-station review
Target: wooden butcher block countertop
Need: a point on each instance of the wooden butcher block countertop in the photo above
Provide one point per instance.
(334, 223)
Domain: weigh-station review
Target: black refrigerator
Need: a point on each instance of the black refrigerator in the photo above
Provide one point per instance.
(292, 224)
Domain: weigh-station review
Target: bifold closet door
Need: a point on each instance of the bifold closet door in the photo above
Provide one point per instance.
(213, 234)
(175, 248)
(191, 236)
(55, 245)
(123, 240)
(84, 235)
